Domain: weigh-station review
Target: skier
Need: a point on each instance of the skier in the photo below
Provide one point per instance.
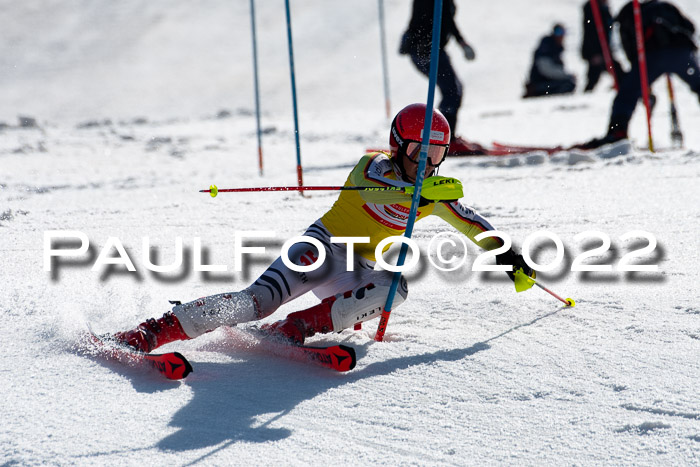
(349, 296)
(417, 42)
(669, 47)
(591, 48)
(547, 74)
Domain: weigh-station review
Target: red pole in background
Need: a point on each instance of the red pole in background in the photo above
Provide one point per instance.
(641, 58)
(213, 190)
(602, 37)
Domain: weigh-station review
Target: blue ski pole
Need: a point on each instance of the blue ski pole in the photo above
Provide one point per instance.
(300, 178)
(427, 125)
(255, 79)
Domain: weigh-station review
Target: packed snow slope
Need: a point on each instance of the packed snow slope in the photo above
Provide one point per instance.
(138, 105)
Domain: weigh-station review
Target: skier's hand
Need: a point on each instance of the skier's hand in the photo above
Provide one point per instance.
(469, 52)
(438, 188)
(517, 261)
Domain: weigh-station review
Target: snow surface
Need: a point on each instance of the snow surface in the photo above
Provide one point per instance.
(129, 96)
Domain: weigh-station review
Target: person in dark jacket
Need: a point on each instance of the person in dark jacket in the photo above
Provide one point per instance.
(591, 48)
(417, 42)
(669, 47)
(547, 75)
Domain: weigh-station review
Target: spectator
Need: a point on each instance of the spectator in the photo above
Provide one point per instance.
(669, 47)
(547, 75)
(417, 42)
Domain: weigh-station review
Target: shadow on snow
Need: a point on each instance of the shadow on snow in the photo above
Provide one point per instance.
(240, 401)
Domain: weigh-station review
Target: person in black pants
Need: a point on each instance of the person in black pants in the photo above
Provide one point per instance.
(547, 75)
(591, 48)
(669, 47)
(417, 42)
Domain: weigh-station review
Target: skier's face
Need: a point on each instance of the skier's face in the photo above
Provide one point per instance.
(436, 154)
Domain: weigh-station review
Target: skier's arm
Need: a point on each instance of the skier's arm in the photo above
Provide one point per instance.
(512, 258)
(468, 50)
(374, 171)
(681, 25)
(471, 224)
(455, 32)
(467, 221)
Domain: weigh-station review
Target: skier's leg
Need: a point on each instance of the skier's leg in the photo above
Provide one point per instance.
(341, 311)
(539, 88)
(562, 86)
(366, 303)
(448, 83)
(624, 103)
(422, 63)
(593, 75)
(451, 90)
(192, 319)
(630, 91)
(618, 70)
(153, 333)
(277, 285)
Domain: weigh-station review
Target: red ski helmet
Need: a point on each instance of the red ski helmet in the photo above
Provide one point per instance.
(407, 130)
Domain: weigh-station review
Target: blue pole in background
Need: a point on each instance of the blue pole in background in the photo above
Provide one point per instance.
(427, 125)
(385, 67)
(300, 178)
(255, 78)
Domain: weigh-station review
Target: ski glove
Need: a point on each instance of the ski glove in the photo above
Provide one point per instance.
(438, 188)
(469, 53)
(518, 262)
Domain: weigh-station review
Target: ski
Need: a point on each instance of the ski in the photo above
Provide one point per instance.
(172, 365)
(505, 149)
(337, 357)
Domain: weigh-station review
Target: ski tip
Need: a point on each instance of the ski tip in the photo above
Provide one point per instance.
(171, 365)
(188, 367)
(351, 354)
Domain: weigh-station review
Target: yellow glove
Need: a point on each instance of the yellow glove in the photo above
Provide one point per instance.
(439, 188)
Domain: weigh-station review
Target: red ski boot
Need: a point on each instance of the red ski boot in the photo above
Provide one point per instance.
(299, 325)
(153, 333)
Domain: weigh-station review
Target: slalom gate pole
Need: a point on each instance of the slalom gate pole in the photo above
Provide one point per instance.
(427, 125)
(213, 190)
(255, 79)
(300, 177)
(641, 59)
(443, 188)
(676, 133)
(385, 66)
(602, 38)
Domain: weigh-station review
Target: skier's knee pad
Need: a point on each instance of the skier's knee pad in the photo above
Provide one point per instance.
(363, 304)
(208, 313)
